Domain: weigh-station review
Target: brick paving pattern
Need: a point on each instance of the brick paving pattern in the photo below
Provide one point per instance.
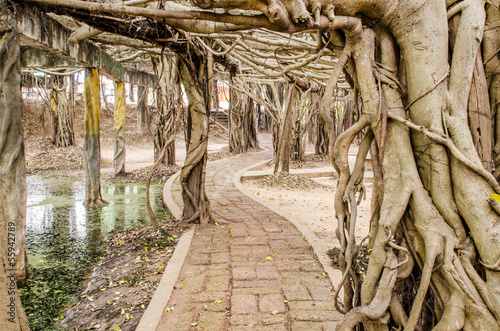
(253, 271)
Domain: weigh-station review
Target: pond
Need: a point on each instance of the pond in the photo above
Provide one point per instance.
(65, 239)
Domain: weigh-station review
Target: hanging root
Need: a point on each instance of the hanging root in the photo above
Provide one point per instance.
(377, 309)
(422, 290)
(196, 214)
(151, 214)
(495, 266)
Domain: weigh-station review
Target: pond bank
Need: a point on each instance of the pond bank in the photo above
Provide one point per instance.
(65, 239)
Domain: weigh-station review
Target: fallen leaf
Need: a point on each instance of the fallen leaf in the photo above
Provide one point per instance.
(495, 196)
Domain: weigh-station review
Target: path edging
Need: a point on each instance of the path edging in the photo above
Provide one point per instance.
(321, 252)
(152, 316)
(168, 200)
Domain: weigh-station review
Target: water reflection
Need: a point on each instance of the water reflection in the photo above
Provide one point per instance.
(64, 239)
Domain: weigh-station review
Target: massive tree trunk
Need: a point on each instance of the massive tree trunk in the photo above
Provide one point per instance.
(491, 44)
(168, 94)
(63, 134)
(142, 104)
(91, 141)
(14, 263)
(119, 129)
(422, 211)
(196, 72)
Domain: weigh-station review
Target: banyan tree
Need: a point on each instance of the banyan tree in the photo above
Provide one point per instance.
(426, 73)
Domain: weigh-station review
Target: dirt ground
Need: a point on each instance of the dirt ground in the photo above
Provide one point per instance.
(125, 279)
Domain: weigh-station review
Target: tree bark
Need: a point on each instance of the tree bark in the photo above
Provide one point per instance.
(91, 141)
(142, 104)
(131, 92)
(235, 118)
(119, 129)
(168, 96)
(321, 145)
(249, 126)
(283, 158)
(297, 133)
(195, 72)
(14, 264)
(63, 134)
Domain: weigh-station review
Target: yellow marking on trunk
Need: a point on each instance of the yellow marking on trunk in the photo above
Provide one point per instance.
(119, 116)
(92, 101)
(53, 101)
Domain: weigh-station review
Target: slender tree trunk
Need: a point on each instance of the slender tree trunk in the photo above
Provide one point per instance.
(195, 73)
(215, 95)
(14, 263)
(63, 134)
(119, 128)
(321, 146)
(283, 157)
(235, 118)
(296, 141)
(142, 103)
(72, 100)
(168, 94)
(274, 125)
(249, 126)
(91, 141)
(131, 92)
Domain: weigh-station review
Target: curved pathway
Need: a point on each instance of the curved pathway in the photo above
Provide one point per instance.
(252, 271)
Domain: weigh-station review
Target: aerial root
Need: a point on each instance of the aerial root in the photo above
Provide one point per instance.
(377, 309)
(419, 261)
(494, 204)
(489, 300)
(193, 202)
(495, 266)
(422, 290)
(455, 152)
(397, 311)
(151, 214)
(400, 248)
(348, 251)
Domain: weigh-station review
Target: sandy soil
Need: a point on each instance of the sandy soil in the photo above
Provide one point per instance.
(312, 204)
(44, 158)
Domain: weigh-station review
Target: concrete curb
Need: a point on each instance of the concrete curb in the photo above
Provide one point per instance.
(321, 252)
(152, 315)
(168, 200)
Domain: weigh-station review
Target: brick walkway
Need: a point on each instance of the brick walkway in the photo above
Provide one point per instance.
(256, 273)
